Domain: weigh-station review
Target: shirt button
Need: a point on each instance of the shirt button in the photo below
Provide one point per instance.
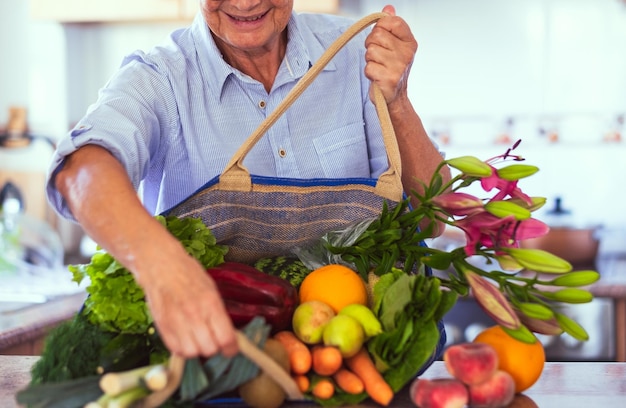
(262, 104)
(282, 152)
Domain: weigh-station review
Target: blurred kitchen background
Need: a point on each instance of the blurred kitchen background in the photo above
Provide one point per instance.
(487, 73)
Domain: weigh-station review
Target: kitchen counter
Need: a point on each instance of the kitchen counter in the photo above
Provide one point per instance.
(561, 384)
(22, 329)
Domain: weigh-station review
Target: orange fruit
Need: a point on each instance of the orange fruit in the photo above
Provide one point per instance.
(335, 285)
(524, 361)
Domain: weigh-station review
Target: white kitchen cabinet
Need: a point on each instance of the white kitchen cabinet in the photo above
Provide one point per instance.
(69, 11)
(317, 6)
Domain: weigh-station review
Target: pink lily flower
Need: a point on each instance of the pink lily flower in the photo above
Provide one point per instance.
(489, 231)
(505, 187)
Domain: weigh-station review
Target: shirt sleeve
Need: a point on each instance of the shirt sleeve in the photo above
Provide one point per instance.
(133, 110)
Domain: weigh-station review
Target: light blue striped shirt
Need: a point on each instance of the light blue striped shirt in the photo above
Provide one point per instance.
(175, 115)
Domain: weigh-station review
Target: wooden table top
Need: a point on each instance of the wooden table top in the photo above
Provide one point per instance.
(566, 384)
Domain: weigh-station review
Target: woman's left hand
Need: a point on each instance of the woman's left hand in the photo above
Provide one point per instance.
(391, 48)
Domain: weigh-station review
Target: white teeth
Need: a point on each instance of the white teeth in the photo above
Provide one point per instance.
(248, 19)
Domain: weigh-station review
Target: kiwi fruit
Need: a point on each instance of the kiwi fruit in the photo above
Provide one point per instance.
(262, 391)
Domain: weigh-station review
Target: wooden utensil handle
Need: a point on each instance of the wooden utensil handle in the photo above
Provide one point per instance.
(271, 367)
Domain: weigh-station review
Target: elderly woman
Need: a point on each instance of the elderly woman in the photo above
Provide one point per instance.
(170, 119)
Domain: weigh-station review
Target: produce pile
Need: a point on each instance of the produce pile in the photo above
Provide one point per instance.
(351, 318)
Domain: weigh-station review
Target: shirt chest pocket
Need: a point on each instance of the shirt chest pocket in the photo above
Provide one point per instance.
(343, 152)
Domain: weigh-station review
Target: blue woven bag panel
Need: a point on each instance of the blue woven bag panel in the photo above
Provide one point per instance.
(280, 214)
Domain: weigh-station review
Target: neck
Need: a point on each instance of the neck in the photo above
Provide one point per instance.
(261, 65)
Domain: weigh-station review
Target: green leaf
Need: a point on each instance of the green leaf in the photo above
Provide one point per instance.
(72, 393)
(447, 302)
(195, 380)
(394, 300)
(417, 353)
(226, 374)
(439, 261)
(381, 287)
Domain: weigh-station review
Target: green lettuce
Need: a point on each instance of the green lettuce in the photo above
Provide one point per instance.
(409, 310)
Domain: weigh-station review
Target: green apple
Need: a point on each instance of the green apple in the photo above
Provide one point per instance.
(345, 333)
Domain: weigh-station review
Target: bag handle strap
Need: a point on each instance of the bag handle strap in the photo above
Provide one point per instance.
(236, 177)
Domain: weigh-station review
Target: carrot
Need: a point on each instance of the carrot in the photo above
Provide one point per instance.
(302, 381)
(323, 389)
(299, 353)
(326, 359)
(348, 381)
(375, 385)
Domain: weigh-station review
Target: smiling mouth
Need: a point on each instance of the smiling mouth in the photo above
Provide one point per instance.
(248, 19)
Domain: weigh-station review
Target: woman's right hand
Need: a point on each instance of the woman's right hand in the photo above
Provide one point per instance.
(188, 310)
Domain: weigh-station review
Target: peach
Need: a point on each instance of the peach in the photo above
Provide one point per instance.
(497, 391)
(438, 393)
(471, 363)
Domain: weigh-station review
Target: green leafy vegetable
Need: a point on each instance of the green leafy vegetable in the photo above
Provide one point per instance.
(71, 350)
(116, 302)
(409, 310)
(382, 285)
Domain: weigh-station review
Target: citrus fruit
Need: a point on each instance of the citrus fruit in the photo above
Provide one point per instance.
(524, 361)
(335, 285)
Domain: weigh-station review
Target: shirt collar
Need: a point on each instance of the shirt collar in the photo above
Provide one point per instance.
(302, 51)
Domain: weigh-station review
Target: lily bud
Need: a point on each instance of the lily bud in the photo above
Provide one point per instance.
(458, 203)
(539, 260)
(535, 310)
(492, 301)
(470, 166)
(508, 263)
(570, 295)
(578, 278)
(517, 171)
(571, 327)
(536, 203)
(550, 327)
(503, 209)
